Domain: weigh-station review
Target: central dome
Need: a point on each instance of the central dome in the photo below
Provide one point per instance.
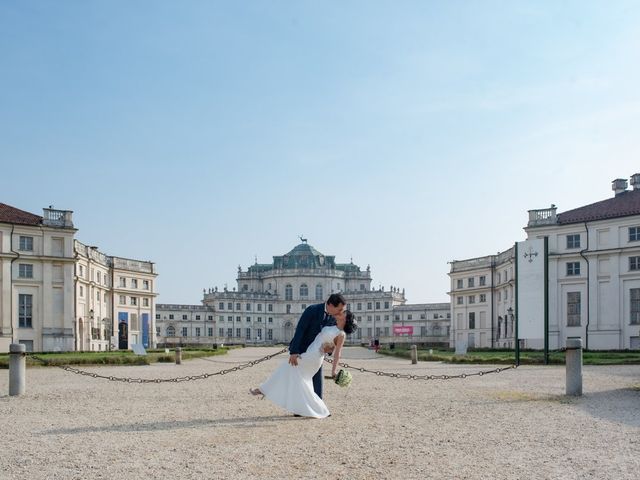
(305, 256)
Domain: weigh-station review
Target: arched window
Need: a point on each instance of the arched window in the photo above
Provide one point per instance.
(171, 331)
(288, 292)
(319, 295)
(304, 290)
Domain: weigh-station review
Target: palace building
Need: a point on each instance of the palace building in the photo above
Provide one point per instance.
(269, 298)
(57, 294)
(593, 286)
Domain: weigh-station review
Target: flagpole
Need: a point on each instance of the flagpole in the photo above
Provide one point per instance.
(516, 317)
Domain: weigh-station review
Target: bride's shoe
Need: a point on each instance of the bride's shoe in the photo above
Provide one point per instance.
(255, 392)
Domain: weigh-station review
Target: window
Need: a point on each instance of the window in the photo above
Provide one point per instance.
(210, 332)
(573, 241)
(134, 300)
(25, 270)
(472, 320)
(483, 281)
(409, 317)
(25, 310)
(248, 319)
(369, 318)
(157, 316)
(319, 294)
(210, 318)
(270, 307)
(397, 317)
(634, 310)
(229, 332)
(259, 333)
(221, 306)
(197, 317)
(259, 307)
(386, 318)
(123, 301)
(304, 290)
(359, 306)
(245, 287)
(470, 282)
(145, 284)
(134, 283)
(238, 332)
(221, 332)
(229, 319)
(26, 244)
(230, 306)
(634, 263)
(460, 300)
(171, 316)
(386, 304)
(259, 319)
(248, 307)
(288, 292)
(171, 331)
(238, 306)
(98, 295)
(221, 318)
(80, 271)
(483, 298)
(573, 309)
(303, 307)
(270, 320)
(369, 305)
(145, 302)
(197, 331)
(99, 276)
(362, 287)
(247, 334)
(459, 283)
(288, 308)
(423, 316)
(269, 334)
(634, 234)
(184, 331)
(573, 268)
(471, 299)
(123, 282)
(377, 305)
(238, 319)
(81, 291)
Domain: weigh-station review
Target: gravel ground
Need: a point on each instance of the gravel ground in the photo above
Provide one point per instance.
(512, 425)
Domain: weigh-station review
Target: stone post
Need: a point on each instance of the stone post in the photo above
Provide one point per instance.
(178, 355)
(414, 354)
(17, 369)
(573, 360)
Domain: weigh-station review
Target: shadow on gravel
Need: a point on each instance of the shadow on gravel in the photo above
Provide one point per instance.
(620, 405)
(156, 426)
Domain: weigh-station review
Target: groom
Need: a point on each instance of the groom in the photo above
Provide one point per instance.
(311, 322)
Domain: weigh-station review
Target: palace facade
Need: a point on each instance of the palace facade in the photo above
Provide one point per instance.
(57, 294)
(266, 304)
(593, 278)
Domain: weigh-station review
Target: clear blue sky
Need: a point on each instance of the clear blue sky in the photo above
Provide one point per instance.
(197, 134)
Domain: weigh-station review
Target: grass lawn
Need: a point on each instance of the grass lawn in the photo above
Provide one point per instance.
(115, 358)
(526, 356)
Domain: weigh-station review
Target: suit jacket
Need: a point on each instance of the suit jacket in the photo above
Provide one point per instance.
(309, 325)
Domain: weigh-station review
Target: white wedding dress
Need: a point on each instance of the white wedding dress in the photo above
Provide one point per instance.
(292, 387)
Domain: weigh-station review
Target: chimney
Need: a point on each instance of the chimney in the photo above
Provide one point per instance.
(635, 181)
(619, 185)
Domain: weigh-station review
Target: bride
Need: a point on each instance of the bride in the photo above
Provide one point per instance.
(291, 387)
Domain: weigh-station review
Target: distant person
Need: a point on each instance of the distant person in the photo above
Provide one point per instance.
(291, 387)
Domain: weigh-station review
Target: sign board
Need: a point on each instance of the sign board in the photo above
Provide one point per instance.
(531, 288)
(138, 349)
(402, 330)
(461, 347)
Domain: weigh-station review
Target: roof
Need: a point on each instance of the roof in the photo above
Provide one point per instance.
(622, 205)
(9, 214)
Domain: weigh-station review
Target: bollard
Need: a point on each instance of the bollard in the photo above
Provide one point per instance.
(573, 360)
(414, 354)
(17, 368)
(178, 355)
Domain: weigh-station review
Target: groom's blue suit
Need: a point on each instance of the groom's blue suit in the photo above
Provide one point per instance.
(309, 325)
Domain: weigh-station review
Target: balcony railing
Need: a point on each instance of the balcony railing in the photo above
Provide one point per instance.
(545, 216)
(57, 218)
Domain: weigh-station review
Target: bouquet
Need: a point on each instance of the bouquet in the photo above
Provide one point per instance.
(343, 378)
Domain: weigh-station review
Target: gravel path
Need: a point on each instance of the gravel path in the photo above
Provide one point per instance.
(513, 425)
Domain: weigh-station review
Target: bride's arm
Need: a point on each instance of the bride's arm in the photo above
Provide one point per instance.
(336, 354)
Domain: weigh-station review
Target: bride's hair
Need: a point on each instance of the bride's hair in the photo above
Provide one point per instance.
(350, 325)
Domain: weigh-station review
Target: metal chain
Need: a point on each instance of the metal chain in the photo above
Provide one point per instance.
(423, 377)
(159, 380)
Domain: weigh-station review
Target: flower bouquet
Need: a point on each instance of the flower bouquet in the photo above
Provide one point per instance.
(343, 378)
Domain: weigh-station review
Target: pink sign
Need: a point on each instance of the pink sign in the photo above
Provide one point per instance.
(400, 330)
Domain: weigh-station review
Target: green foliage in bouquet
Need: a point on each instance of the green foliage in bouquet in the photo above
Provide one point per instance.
(343, 378)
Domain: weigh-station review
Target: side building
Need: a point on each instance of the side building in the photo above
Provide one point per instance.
(57, 294)
(266, 304)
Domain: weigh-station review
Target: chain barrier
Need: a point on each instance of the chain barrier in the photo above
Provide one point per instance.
(423, 377)
(186, 378)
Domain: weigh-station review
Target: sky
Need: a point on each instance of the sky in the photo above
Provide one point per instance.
(203, 135)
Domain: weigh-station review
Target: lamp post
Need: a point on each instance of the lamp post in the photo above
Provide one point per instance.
(517, 342)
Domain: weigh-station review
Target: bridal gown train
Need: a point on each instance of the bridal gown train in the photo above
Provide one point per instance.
(292, 387)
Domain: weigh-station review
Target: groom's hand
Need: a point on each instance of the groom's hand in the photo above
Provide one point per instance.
(293, 359)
